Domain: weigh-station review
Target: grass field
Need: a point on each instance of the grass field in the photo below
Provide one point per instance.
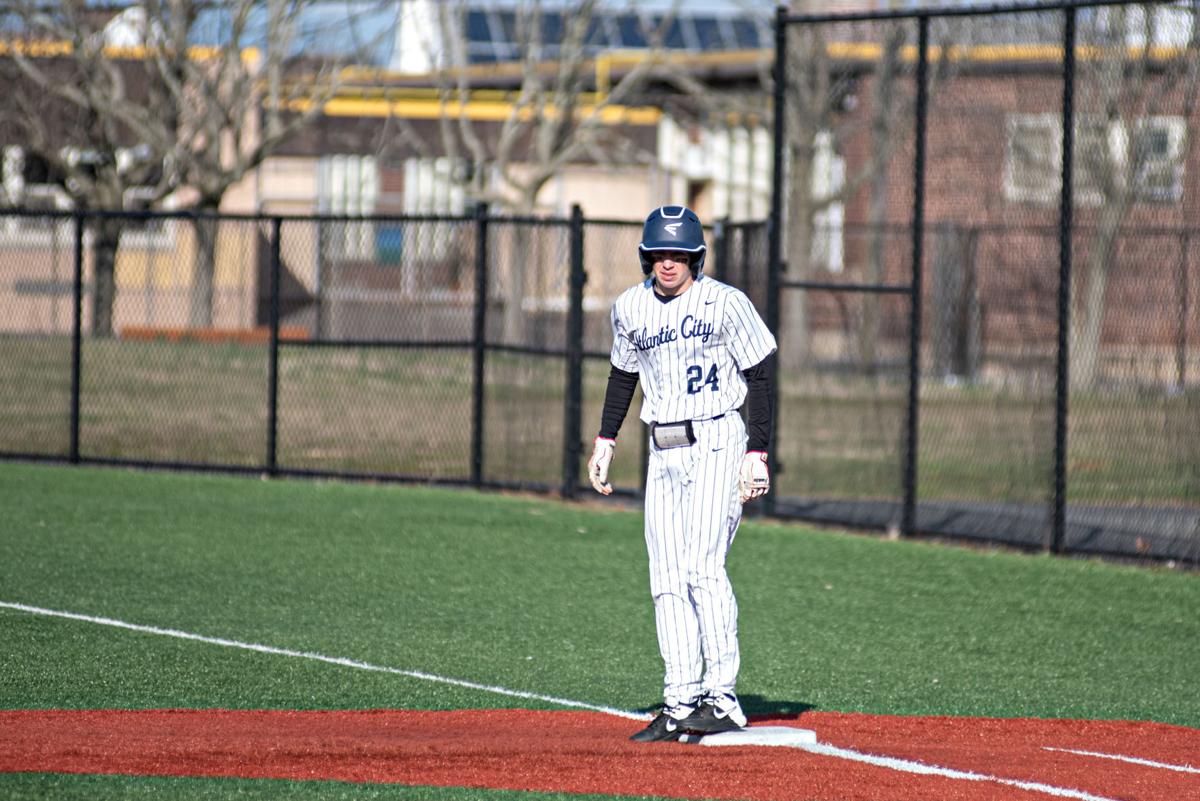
(23, 787)
(536, 596)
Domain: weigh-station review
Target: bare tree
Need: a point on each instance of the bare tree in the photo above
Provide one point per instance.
(59, 54)
(557, 113)
(810, 102)
(556, 116)
(865, 100)
(198, 116)
(1126, 84)
(889, 105)
(820, 97)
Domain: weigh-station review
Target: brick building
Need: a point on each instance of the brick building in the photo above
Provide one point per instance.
(991, 199)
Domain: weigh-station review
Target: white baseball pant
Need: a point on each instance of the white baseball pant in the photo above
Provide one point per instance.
(692, 514)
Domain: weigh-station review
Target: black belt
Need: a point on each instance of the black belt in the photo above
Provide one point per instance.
(682, 422)
(677, 434)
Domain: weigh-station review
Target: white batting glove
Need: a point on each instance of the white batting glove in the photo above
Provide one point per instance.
(755, 479)
(602, 455)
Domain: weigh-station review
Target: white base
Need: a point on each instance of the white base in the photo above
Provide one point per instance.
(756, 735)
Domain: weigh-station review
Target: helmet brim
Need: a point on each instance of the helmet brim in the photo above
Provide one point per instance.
(645, 252)
(652, 247)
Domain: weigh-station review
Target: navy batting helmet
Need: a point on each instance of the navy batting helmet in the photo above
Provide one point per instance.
(673, 228)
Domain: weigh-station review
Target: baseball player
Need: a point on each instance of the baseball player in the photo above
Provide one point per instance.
(699, 350)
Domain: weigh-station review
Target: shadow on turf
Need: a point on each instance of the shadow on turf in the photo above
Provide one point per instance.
(758, 707)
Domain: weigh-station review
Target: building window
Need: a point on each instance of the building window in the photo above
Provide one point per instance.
(1110, 155)
(1033, 158)
(828, 181)
(30, 183)
(434, 186)
(348, 186)
(434, 258)
(1158, 158)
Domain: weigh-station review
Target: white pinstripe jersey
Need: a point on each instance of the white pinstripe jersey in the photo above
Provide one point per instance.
(689, 352)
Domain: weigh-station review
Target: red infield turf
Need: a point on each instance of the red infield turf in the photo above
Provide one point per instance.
(980, 759)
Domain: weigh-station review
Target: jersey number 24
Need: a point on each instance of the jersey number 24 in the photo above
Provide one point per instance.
(694, 373)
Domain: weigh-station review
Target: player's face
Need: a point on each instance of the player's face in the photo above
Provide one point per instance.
(672, 271)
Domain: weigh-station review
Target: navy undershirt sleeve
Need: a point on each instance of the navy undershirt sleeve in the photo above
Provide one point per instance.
(617, 398)
(760, 401)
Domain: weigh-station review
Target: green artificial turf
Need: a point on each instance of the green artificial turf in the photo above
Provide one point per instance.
(544, 597)
(532, 595)
(61, 787)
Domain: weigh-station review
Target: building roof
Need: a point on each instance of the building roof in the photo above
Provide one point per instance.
(371, 30)
(492, 35)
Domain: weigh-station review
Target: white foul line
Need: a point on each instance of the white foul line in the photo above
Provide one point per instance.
(1134, 760)
(909, 766)
(903, 765)
(332, 660)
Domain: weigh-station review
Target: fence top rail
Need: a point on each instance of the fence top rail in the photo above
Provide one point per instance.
(192, 215)
(897, 227)
(957, 11)
(1050, 229)
(709, 226)
(265, 217)
(603, 221)
(529, 220)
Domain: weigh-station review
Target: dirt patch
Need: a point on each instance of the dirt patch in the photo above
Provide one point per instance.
(587, 752)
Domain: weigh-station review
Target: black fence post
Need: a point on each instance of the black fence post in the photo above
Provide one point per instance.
(573, 408)
(908, 523)
(744, 257)
(273, 357)
(1181, 336)
(721, 249)
(76, 338)
(319, 291)
(1066, 213)
(479, 341)
(775, 231)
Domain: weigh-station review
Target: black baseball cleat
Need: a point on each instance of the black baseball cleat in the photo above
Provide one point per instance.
(662, 729)
(707, 719)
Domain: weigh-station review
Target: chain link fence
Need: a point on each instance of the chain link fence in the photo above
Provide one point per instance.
(376, 325)
(986, 290)
(1015, 184)
(318, 361)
